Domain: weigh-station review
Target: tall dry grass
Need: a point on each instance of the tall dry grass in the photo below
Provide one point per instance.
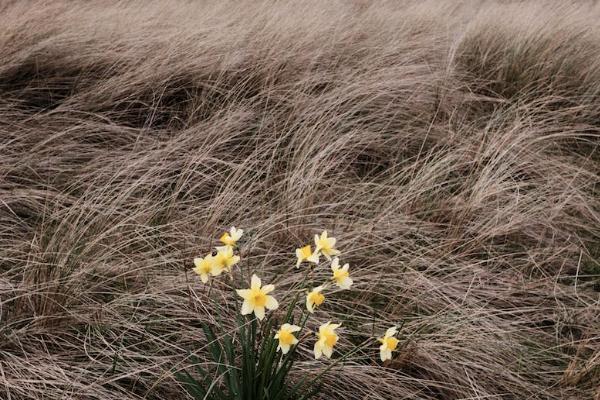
(451, 147)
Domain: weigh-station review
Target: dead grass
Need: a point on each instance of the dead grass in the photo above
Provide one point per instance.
(452, 149)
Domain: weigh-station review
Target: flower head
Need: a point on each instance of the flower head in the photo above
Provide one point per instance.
(225, 258)
(305, 254)
(341, 276)
(314, 298)
(388, 344)
(326, 339)
(326, 245)
(230, 238)
(257, 298)
(286, 337)
(205, 266)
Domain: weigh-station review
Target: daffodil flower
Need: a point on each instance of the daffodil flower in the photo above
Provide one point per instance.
(305, 254)
(314, 298)
(225, 259)
(326, 339)
(388, 344)
(230, 238)
(325, 245)
(341, 276)
(206, 266)
(257, 298)
(286, 337)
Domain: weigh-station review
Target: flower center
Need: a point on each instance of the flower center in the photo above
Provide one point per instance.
(330, 339)
(286, 337)
(258, 297)
(305, 252)
(205, 267)
(339, 275)
(316, 298)
(391, 343)
(221, 260)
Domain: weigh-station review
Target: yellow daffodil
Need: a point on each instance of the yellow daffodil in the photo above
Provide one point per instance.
(206, 266)
(327, 338)
(388, 344)
(314, 298)
(257, 298)
(225, 259)
(305, 254)
(286, 337)
(326, 245)
(341, 276)
(230, 238)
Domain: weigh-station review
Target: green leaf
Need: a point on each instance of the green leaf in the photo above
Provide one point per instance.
(232, 372)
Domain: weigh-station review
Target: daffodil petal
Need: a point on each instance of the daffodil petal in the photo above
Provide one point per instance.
(255, 282)
(247, 308)
(335, 263)
(391, 331)
(268, 289)
(309, 305)
(271, 303)
(259, 312)
(318, 350)
(346, 283)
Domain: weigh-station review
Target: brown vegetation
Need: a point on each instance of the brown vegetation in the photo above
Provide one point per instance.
(452, 149)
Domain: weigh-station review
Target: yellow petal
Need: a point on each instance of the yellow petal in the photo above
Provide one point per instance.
(259, 312)
(247, 308)
(314, 257)
(271, 303)
(255, 282)
(335, 264)
(268, 289)
(318, 350)
(309, 305)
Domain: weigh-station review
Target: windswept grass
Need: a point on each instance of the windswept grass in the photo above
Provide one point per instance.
(451, 148)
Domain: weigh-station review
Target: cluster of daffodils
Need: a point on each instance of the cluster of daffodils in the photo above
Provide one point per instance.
(223, 260)
(324, 245)
(258, 298)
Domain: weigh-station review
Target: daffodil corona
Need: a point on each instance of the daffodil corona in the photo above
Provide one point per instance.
(286, 337)
(388, 344)
(341, 276)
(230, 238)
(314, 298)
(305, 254)
(225, 259)
(325, 245)
(327, 338)
(205, 266)
(257, 298)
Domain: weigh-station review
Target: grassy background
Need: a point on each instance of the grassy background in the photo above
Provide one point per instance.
(452, 148)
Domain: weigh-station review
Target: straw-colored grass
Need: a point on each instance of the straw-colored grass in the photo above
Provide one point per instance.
(451, 148)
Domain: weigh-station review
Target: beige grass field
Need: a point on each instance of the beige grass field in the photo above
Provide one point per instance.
(453, 148)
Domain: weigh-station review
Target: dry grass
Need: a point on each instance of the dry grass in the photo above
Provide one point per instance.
(451, 148)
